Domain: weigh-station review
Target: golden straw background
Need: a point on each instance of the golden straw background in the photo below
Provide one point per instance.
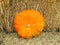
(51, 12)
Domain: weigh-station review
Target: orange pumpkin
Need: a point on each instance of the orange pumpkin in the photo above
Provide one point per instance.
(28, 23)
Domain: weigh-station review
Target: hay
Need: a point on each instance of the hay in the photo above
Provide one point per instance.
(9, 8)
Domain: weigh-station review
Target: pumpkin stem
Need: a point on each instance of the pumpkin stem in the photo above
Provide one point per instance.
(28, 25)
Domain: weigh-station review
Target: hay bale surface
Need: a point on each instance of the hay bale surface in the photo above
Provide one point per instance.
(45, 38)
(49, 9)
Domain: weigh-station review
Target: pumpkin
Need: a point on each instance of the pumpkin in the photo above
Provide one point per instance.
(28, 23)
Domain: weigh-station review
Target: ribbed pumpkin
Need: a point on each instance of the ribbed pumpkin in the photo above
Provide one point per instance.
(28, 23)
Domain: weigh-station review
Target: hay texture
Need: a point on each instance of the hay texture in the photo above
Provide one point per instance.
(49, 9)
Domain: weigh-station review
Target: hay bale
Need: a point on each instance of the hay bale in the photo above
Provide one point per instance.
(9, 8)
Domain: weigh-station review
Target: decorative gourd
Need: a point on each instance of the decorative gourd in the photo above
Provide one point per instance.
(28, 23)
